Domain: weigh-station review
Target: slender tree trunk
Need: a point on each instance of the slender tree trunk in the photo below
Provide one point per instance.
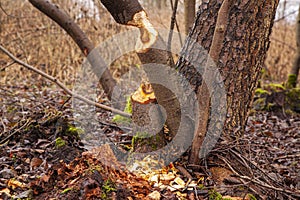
(189, 14)
(239, 55)
(293, 76)
(80, 38)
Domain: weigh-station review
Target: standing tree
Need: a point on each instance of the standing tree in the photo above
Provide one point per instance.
(293, 76)
(189, 14)
(236, 35)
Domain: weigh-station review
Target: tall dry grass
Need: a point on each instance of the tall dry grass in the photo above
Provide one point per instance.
(34, 38)
(281, 53)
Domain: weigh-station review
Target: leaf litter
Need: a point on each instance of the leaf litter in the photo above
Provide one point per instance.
(35, 165)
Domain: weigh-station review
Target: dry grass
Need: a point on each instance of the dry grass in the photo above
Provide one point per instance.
(40, 42)
(37, 40)
(282, 51)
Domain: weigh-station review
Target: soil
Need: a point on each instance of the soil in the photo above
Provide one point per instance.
(43, 156)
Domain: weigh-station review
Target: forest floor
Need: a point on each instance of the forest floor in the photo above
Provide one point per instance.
(42, 157)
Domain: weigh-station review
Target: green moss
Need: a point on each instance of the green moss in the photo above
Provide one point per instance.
(66, 190)
(146, 140)
(214, 195)
(275, 87)
(107, 187)
(293, 99)
(260, 91)
(269, 106)
(292, 81)
(121, 120)
(138, 137)
(294, 94)
(128, 109)
(59, 142)
(73, 130)
(259, 104)
(251, 197)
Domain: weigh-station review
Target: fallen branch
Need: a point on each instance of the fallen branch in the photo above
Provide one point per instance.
(27, 123)
(62, 86)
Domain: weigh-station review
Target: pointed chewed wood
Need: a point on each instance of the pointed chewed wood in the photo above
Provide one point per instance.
(130, 12)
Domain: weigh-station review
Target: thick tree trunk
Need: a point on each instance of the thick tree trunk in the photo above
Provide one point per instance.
(239, 56)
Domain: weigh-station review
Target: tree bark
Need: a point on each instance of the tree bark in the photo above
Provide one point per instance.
(239, 54)
(293, 76)
(189, 14)
(80, 38)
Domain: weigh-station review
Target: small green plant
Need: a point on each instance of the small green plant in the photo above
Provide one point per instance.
(73, 130)
(66, 190)
(260, 91)
(127, 109)
(138, 137)
(251, 197)
(292, 81)
(59, 142)
(214, 195)
(107, 187)
(275, 87)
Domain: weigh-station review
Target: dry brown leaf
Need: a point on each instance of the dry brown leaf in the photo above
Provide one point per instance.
(15, 184)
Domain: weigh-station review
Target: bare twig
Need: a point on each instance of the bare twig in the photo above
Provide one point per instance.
(284, 43)
(61, 85)
(282, 18)
(4, 127)
(173, 21)
(176, 23)
(3, 10)
(288, 156)
(16, 131)
(9, 64)
(295, 193)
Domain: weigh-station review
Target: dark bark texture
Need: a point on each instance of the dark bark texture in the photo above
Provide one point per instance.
(122, 10)
(241, 55)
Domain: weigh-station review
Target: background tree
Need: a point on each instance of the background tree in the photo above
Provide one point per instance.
(293, 76)
(189, 14)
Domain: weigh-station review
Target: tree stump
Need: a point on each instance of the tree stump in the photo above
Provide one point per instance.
(148, 121)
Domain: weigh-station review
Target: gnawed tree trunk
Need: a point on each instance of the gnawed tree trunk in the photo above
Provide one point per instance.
(152, 52)
(293, 76)
(149, 133)
(245, 29)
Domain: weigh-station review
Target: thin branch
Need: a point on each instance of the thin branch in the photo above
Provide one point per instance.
(175, 20)
(61, 85)
(282, 18)
(284, 43)
(27, 123)
(259, 182)
(170, 36)
(59, 16)
(3, 10)
(9, 64)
